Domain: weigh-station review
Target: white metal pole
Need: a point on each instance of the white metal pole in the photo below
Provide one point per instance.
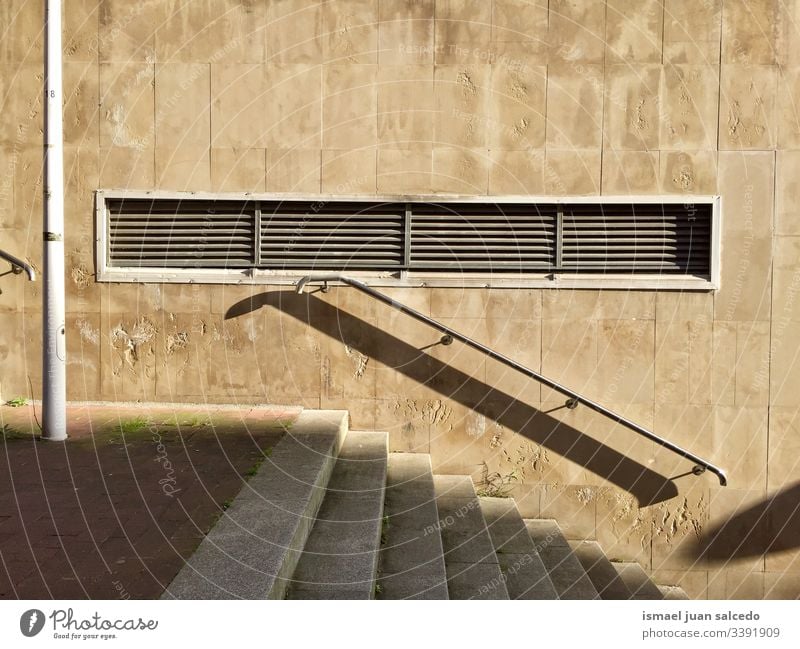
(54, 348)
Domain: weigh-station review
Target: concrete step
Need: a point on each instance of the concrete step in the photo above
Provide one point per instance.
(340, 558)
(637, 581)
(601, 571)
(673, 592)
(255, 546)
(566, 572)
(522, 567)
(473, 571)
(411, 557)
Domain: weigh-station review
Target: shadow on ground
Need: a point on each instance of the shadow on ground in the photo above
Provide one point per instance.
(113, 514)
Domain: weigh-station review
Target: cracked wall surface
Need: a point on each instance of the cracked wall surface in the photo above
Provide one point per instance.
(482, 98)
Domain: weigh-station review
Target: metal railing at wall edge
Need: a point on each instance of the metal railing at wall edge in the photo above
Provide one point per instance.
(17, 265)
(573, 398)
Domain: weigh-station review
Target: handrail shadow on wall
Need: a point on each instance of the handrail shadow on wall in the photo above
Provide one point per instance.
(574, 399)
(646, 485)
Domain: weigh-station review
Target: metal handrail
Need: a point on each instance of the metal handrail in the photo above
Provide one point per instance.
(17, 265)
(701, 465)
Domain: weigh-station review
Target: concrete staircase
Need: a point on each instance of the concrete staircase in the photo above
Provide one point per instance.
(331, 514)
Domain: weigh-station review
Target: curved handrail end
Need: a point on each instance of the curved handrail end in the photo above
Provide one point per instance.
(335, 277)
(28, 271)
(17, 265)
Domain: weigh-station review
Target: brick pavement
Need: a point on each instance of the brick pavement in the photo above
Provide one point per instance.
(114, 511)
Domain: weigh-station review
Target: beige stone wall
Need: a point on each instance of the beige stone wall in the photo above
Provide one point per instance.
(481, 97)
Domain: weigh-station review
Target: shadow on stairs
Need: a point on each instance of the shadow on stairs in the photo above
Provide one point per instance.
(333, 515)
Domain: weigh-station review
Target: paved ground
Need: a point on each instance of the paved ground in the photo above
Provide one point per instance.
(113, 512)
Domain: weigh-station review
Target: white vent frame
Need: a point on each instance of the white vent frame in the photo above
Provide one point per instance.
(444, 279)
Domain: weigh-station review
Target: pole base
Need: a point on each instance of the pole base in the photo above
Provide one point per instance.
(54, 436)
(54, 439)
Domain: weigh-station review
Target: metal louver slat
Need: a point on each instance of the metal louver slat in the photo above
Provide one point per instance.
(176, 234)
(662, 238)
(483, 238)
(337, 236)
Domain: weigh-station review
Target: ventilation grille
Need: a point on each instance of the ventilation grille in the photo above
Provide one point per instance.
(646, 238)
(483, 238)
(332, 236)
(181, 234)
(596, 238)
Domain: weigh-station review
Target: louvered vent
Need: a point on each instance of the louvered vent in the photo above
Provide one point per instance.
(181, 234)
(332, 235)
(483, 238)
(299, 235)
(641, 238)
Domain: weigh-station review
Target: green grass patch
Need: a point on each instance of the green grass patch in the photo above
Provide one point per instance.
(266, 452)
(9, 432)
(187, 421)
(123, 432)
(384, 530)
(132, 426)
